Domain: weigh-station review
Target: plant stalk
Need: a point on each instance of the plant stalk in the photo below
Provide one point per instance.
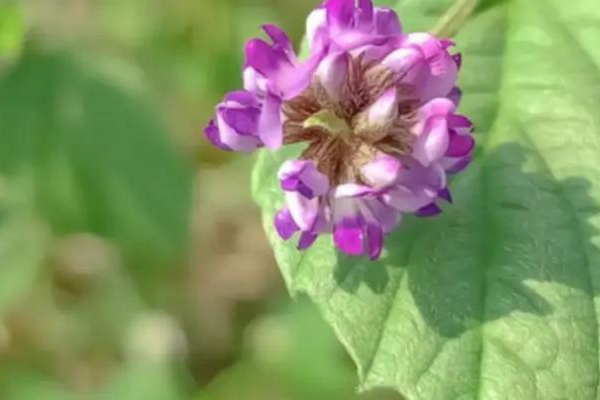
(451, 22)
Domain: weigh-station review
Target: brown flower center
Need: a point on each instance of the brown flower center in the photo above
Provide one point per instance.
(339, 141)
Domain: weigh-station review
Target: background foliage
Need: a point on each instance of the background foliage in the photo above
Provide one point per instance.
(132, 260)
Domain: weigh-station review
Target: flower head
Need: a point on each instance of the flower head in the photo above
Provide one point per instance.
(377, 111)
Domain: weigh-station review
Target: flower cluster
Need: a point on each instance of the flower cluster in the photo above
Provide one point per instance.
(376, 108)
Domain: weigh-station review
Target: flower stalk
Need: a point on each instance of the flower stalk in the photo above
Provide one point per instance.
(454, 18)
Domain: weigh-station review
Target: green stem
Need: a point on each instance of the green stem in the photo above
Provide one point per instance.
(454, 18)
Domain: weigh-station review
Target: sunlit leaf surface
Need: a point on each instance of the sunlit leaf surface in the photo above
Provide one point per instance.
(498, 298)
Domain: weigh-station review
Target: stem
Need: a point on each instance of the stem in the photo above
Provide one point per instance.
(454, 18)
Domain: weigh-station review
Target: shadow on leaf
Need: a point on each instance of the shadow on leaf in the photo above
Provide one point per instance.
(514, 242)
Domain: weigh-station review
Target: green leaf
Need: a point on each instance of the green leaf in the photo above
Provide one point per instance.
(12, 29)
(20, 382)
(497, 298)
(145, 381)
(99, 158)
(276, 364)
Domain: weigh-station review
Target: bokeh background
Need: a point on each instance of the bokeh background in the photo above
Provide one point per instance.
(133, 264)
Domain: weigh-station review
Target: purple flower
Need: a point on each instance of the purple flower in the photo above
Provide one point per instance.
(342, 25)
(274, 68)
(377, 111)
(245, 121)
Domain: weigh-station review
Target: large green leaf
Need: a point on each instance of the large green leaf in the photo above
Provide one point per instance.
(497, 298)
(12, 29)
(98, 157)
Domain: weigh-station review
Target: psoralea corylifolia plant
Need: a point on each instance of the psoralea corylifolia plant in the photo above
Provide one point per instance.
(376, 109)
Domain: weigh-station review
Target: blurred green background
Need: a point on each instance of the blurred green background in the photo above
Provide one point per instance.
(132, 260)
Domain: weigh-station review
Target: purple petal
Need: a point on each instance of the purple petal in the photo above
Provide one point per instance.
(460, 145)
(292, 168)
(442, 82)
(375, 47)
(348, 236)
(405, 200)
(340, 13)
(292, 80)
(243, 120)
(446, 43)
(457, 165)
(233, 139)
(432, 86)
(422, 180)
(435, 178)
(402, 61)
(306, 240)
(365, 13)
(387, 22)
(385, 215)
(279, 37)
(433, 50)
(460, 121)
(437, 107)
(285, 225)
(261, 56)
(457, 58)
(455, 95)
(243, 97)
(429, 211)
(303, 176)
(445, 194)
(212, 134)
(375, 241)
(296, 185)
(315, 180)
(425, 64)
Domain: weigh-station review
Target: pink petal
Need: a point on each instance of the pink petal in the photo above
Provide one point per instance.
(385, 215)
(384, 110)
(304, 211)
(254, 81)
(270, 127)
(405, 200)
(332, 73)
(316, 29)
(351, 190)
(431, 145)
(382, 171)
